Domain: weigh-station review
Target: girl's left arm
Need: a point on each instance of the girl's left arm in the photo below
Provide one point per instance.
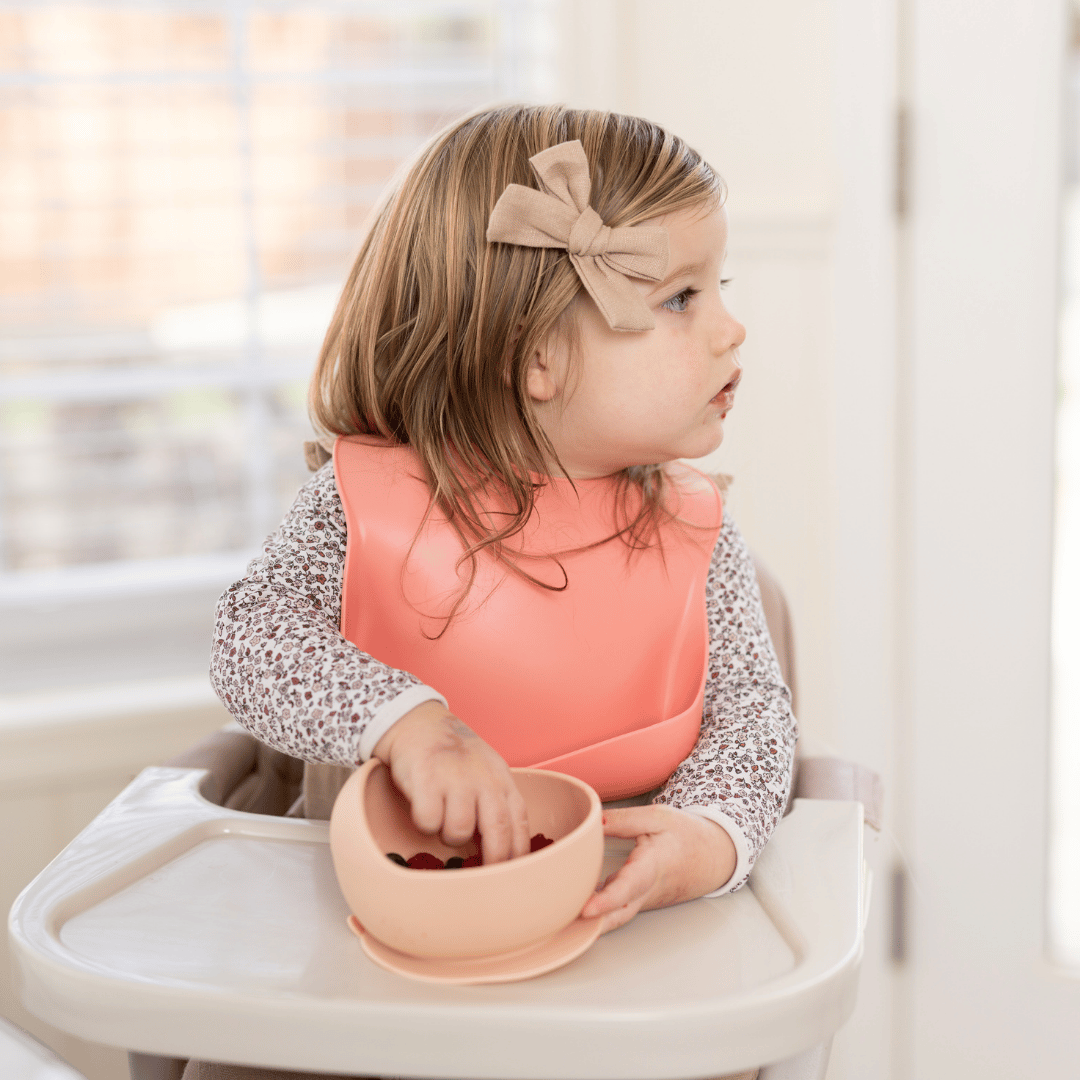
(739, 772)
(707, 826)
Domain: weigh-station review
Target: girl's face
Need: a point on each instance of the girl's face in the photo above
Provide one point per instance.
(645, 397)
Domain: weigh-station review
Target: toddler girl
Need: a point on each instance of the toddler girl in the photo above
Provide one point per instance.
(504, 564)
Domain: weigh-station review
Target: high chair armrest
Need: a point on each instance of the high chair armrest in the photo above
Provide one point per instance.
(834, 778)
(229, 756)
(244, 774)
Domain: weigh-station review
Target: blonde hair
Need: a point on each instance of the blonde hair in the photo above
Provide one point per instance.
(431, 340)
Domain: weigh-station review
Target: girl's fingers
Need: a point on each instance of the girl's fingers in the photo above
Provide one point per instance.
(510, 825)
(620, 917)
(428, 809)
(630, 886)
(519, 815)
(632, 821)
(454, 794)
(496, 828)
(459, 818)
(503, 817)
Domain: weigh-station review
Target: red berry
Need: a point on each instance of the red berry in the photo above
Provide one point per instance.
(424, 861)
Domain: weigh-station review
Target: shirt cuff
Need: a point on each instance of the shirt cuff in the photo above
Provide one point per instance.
(743, 862)
(389, 714)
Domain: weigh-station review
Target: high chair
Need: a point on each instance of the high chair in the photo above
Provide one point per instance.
(189, 921)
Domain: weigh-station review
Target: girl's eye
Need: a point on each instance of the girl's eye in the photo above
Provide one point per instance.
(679, 301)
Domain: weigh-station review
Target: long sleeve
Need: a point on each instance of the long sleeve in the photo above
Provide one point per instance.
(739, 772)
(279, 662)
(285, 672)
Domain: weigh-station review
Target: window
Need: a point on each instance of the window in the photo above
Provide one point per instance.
(183, 186)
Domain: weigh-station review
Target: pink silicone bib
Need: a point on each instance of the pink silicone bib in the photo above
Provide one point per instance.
(603, 680)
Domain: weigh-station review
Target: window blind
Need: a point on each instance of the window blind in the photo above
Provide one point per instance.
(183, 187)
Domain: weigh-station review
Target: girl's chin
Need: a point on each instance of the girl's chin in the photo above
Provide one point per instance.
(705, 448)
(716, 430)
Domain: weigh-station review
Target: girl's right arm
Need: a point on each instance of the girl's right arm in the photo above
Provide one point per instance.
(279, 662)
(284, 671)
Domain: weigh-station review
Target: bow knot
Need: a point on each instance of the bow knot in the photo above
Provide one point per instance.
(559, 216)
(589, 236)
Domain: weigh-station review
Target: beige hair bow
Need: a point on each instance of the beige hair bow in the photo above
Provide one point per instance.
(559, 216)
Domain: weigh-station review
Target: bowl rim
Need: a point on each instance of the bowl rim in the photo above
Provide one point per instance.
(373, 764)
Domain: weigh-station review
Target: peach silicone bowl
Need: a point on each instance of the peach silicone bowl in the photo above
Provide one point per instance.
(469, 912)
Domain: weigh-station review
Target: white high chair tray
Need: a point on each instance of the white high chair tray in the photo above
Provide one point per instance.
(172, 926)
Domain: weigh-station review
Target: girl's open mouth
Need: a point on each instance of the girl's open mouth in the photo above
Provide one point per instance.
(726, 397)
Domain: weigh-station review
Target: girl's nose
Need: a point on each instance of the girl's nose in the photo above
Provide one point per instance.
(740, 333)
(730, 333)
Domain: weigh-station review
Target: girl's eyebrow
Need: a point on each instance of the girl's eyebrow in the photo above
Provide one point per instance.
(686, 270)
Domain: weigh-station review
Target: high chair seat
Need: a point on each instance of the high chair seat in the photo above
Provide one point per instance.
(178, 927)
(174, 926)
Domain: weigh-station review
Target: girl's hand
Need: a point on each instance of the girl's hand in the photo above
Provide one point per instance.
(678, 856)
(455, 782)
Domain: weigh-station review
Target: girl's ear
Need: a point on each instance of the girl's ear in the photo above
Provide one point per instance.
(543, 376)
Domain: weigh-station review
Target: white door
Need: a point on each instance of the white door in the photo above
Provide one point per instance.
(977, 398)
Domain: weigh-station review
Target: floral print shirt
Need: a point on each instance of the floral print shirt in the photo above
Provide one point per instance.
(284, 671)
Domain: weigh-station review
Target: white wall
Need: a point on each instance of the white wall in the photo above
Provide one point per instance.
(987, 91)
(750, 86)
(794, 103)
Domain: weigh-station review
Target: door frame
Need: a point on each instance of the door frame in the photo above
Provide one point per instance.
(976, 397)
